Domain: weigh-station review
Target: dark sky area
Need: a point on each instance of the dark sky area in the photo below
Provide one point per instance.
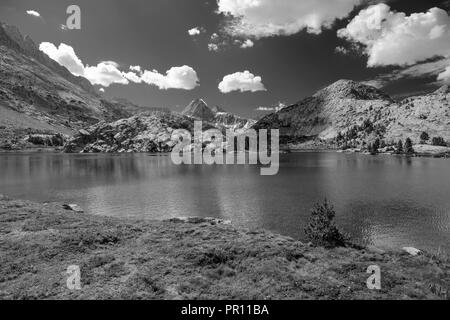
(153, 34)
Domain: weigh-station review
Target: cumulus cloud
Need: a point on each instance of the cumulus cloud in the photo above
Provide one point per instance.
(65, 56)
(277, 108)
(247, 44)
(136, 68)
(213, 47)
(445, 76)
(395, 39)
(241, 81)
(341, 50)
(265, 18)
(175, 78)
(33, 13)
(107, 72)
(195, 31)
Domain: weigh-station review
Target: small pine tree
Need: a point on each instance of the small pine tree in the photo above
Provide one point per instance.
(424, 137)
(321, 230)
(409, 146)
(400, 147)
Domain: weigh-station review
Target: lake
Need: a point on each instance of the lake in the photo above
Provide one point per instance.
(386, 201)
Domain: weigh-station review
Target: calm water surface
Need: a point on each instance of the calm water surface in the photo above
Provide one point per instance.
(387, 201)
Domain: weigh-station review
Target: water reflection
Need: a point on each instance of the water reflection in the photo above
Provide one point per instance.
(387, 201)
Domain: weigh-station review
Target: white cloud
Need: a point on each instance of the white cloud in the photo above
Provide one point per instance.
(393, 38)
(265, 18)
(105, 74)
(194, 31)
(175, 78)
(133, 77)
(108, 72)
(65, 56)
(277, 108)
(136, 68)
(247, 44)
(101, 90)
(341, 50)
(241, 81)
(33, 13)
(426, 69)
(445, 76)
(213, 47)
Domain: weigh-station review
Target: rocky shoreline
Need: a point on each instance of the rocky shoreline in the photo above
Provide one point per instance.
(191, 259)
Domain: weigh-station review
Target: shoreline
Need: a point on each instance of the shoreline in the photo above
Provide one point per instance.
(444, 155)
(197, 258)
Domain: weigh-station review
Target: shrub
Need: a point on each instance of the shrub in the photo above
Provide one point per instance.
(321, 230)
(438, 141)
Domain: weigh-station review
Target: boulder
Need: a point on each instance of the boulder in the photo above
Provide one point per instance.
(73, 207)
(412, 251)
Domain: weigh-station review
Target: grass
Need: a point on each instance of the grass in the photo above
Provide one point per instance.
(191, 259)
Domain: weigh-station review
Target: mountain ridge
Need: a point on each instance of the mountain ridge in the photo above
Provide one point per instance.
(340, 107)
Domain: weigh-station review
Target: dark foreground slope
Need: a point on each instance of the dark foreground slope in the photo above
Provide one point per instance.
(197, 258)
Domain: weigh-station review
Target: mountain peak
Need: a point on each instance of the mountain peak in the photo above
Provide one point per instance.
(198, 109)
(349, 89)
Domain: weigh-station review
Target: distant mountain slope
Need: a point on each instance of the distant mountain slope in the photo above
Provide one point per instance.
(199, 109)
(33, 86)
(337, 109)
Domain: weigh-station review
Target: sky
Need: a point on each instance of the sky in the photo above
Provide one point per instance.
(247, 56)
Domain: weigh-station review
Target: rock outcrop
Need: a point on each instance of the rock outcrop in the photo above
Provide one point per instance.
(151, 132)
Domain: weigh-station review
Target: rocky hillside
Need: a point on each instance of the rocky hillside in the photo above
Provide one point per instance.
(198, 109)
(149, 132)
(37, 95)
(362, 113)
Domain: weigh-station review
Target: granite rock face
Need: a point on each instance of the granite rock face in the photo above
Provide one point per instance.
(150, 132)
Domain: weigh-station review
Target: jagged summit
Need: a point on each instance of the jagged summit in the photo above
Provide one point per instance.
(349, 89)
(199, 109)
